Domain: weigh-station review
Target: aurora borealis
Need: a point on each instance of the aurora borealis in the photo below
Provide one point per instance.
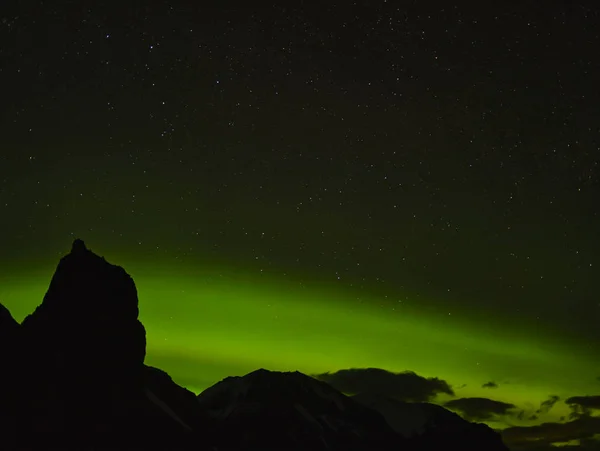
(205, 324)
(308, 188)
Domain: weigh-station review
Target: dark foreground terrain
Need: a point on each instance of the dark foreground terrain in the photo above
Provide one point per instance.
(72, 376)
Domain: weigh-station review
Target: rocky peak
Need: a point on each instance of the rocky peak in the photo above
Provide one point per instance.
(88, 319)
(86, 285)
(73, 373)
(78, 246)
(265, 409)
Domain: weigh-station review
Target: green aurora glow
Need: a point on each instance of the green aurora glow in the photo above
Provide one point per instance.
(203, 325)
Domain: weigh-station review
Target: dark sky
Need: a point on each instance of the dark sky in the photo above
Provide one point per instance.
(445, 157)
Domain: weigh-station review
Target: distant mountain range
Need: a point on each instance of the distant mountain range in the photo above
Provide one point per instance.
(72, 376)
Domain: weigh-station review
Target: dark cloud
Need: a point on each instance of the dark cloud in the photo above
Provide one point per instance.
(586, 402)
(490, 384)
(479, 409)
(524, 415)
(405, 386)
(546, 405)
(585, 445)
(541, 437)
(583, 405)
(521, 415)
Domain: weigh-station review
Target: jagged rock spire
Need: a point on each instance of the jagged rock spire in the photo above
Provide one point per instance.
(78, 246)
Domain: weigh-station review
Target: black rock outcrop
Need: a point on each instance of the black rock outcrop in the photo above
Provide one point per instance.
(8, 325)
(86, 348)
(9, 378)
(89, 318)
(77, 376)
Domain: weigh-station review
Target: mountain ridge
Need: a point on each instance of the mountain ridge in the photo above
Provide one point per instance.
(75, 378)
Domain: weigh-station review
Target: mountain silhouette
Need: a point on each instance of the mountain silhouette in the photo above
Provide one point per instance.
(265, 409)
(429, 426)
(72, 376)
(76, 375)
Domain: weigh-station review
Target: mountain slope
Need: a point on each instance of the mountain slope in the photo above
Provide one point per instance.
(274, 410)
(429, 426)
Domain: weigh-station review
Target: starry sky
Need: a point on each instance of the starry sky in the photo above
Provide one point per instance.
(323, 186)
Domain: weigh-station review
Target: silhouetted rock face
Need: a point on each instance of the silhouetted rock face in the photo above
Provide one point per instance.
(292, 411)
(8, 326)
(89, 316)
(9, 378)
(73, 373)
(85, 348)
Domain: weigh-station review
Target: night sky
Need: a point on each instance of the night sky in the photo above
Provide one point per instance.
(386, 184)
